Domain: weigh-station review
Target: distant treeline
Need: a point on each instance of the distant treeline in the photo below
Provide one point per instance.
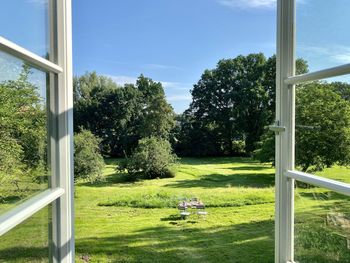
(231, 106)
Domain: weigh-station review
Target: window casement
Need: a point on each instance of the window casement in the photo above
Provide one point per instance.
(59, 98)
(286, 172)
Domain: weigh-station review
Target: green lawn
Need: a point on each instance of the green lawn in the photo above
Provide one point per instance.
(114, 223)
(118, 221)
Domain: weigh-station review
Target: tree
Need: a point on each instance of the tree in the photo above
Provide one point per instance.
(23, 140)
(88, 161)
(230, 96)
(121, 116)
(195, 138)
(322, 127)
(156, 116)
(232, 103)
(341, 88)
(265, 152)
(151, 159)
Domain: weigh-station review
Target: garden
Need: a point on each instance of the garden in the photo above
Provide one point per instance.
(119, 221)
(136, 161)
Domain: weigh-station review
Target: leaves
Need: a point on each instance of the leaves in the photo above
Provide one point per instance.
(121, 116)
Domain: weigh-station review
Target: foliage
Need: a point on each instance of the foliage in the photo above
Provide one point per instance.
(23, 142)
(88, 161)
(121, 116)
(189, 132)
(157, 116)
(322, 127)
(266, 150)
(152, 158)
(226, 98)
(233, 102)
(11, 167)
(341, 88)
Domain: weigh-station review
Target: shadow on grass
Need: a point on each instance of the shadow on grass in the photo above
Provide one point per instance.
(250, 242)
(117, 178)
(24, 254)
(171, 218)
(324, 196)
(216, 160)
(256, 180)
(250, 168)
(10, 199)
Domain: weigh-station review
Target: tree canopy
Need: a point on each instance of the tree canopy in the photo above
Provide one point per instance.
(121, 116)
(231, 103)
(23, 139)
(322, 127)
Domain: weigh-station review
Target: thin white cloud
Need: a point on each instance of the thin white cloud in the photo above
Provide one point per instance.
(342, 58)
(175, 98)
(252, 4)
(122, 80)
(38, 2)
(176, 85)
(248, 4)
(332, 53)
(160, 66)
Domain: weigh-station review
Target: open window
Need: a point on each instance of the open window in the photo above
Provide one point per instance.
(36, 131)
(289, 176)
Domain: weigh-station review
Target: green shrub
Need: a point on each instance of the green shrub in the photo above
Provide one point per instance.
(146, 198)
(88, 161)
(238, 147)
(266, 148)
(11, 167)
(151, 159)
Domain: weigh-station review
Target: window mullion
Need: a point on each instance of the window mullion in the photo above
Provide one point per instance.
(317, 75)
(27, 56)
(25, 210)
(285, 100)
(63, 211)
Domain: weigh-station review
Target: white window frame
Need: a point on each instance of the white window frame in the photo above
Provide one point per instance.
(61, 194)
(285, 131)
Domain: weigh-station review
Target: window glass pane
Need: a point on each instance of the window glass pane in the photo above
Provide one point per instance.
(29, 241)
(26, 23)
(323, 37)
(322, 128)
(23, 132)
(322, 225)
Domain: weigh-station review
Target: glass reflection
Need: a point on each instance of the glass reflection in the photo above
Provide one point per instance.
(29, 241)
(322, 225)
(322, 128)
(322, 37)
(23, 132)
(26, 23)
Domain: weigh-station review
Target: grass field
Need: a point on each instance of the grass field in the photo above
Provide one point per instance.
(118, 221)
(114, 222)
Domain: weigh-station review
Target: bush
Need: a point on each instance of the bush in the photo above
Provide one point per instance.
(266, 150)
(151, 159)
(88, 161)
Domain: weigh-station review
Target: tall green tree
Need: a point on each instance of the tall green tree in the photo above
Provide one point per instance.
(322, 127)
(157, 117)
(23, 139)
(231, 97)
(234, 102)
(121, 116)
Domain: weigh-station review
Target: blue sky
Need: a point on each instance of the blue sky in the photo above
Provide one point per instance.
(174, 41)
(167, 40)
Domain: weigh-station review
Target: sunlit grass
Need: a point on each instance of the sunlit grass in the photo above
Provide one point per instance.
(118, 221)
